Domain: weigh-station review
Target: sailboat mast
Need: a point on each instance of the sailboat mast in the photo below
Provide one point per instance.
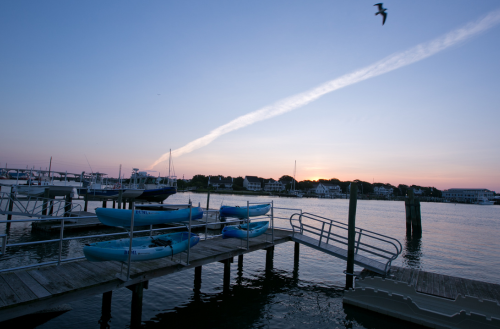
(169, 161)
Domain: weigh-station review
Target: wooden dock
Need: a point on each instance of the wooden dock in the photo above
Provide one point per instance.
(441, 285)
(26, 291)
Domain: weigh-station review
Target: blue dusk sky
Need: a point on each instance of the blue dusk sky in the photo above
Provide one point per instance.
(123, 82)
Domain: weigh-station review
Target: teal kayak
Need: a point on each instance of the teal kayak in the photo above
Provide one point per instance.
(143, 248)
(241, 212)
(121, 217)
(240, 231)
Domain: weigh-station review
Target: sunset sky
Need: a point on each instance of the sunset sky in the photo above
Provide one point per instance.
(122, 82)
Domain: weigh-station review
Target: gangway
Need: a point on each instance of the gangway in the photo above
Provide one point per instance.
(32, 206)
(373, 251)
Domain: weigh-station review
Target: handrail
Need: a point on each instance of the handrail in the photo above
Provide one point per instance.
(324, 230)
(57, 207)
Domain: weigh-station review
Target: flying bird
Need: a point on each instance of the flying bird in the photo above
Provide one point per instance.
(381, 11)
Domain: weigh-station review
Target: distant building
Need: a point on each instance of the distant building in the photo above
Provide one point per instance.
(418, 191)
(252, 183)
(220, 183)
(382, 190)
(274, 186)
(467, 194)
(327, 189)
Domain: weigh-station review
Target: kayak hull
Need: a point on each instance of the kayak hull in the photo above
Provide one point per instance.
(143, 248)
(240, 231)
(121, 217)
(241, 212)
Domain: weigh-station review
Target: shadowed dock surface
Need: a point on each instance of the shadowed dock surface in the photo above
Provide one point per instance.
(441, 285)
(27, 291)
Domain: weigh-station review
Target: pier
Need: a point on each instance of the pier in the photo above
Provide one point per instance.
(30, 290)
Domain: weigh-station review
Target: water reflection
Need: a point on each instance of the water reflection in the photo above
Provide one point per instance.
(412, 252)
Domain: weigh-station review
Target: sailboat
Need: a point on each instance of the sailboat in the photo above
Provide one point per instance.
(293, 191)
(156, 189)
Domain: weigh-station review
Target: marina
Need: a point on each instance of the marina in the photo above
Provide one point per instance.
(218, 250)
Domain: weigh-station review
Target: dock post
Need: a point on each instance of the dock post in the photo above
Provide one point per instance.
(227, 274)
(104, 203)
(351, 236)
(136, 311)
(413, 216)
(120, 196)
(197, 278)
(269, 258)
(296, 252)
(67, 205)
(11, 205)
(51, 202)
(114, 204)
(240, 260)
(86, 205)
(106, 303)
(45, 202)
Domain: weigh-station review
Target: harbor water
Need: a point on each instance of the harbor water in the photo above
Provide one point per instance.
(459, 240)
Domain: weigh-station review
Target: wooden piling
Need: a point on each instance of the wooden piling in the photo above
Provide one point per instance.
(11, 205)
(413, 216)
(114, 204)
(106, 303)
(227, 273)
(45, 204)
(104, 203)
(240, 260)
(136, 309)
(269, 258)
(67, 205)
(197, 278)
(86, 203)
(296, 252)
(351, 236)
(120, 197)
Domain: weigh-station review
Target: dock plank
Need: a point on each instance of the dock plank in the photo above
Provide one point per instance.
(414, 278)
(7, 295)
(19, 287)
(50, 281)
(32, 284)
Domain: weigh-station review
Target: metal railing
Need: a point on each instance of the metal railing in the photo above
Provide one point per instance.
(31, 206)
(329, 231)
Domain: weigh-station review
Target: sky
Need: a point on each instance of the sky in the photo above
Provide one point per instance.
(123, 82)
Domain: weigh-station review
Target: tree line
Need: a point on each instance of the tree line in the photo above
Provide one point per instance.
(201, 181)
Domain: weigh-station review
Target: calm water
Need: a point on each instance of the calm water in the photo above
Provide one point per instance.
(458, 240)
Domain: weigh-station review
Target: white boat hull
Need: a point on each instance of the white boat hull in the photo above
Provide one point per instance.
(39, 190)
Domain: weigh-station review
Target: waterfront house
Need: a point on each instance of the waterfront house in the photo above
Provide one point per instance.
(220, 183)
(252, 183)
(327, 189)
(383, 190)
(273, 186)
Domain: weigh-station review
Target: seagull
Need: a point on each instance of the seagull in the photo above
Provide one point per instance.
(381, 11)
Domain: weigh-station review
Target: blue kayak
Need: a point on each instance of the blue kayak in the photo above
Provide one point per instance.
(121, 217)
(240, 231)
(143, 248)
(241, 212)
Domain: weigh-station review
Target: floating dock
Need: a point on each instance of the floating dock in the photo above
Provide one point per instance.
(429, 299)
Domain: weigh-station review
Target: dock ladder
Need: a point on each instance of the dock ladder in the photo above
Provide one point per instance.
(373, 251)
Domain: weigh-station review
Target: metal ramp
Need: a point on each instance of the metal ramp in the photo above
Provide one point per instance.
(373, 251)
(31, 206)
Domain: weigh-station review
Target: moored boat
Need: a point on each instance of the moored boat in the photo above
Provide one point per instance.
(39, 190)
(240, 231)
(143, 248)
(241, 212)
(121, 217)
(155, 189)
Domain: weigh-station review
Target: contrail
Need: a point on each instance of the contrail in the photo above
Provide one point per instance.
(387, 64)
